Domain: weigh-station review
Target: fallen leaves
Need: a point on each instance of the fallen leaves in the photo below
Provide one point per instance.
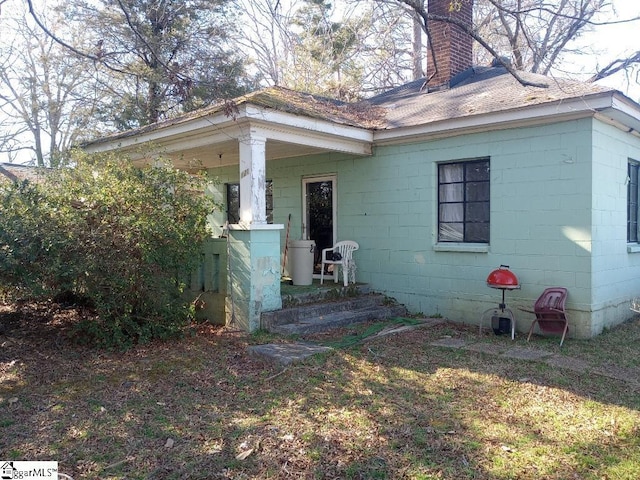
(409, 412)
(245, 454)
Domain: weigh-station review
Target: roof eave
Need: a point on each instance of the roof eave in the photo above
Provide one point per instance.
(135, 139)
(219, 128)
(623, 114)
(567, 109)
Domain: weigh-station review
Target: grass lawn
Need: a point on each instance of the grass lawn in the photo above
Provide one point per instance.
(389, 408)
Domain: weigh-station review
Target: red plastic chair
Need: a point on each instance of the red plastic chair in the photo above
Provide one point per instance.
(550, 313)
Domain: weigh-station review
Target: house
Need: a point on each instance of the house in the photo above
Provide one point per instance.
(439, 182)
(15, 172)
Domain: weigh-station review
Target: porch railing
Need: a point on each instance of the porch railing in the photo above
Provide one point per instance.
(209, 281)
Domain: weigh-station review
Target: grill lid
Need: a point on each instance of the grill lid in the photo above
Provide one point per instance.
(502, 278)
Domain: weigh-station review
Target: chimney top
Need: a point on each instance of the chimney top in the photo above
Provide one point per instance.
(451, 46)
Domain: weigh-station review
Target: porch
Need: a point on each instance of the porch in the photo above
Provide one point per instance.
(242, 141)
(304, 308)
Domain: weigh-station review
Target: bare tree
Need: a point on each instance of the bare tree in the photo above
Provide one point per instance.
(47, 98)
(534, 34)
(266, 38)
(418, 57)
(368, 49)
(169, 56)
(528, 35)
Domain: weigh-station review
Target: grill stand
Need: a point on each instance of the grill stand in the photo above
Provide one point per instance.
(502, 311)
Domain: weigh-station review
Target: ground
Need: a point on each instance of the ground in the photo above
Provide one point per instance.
(393, 407)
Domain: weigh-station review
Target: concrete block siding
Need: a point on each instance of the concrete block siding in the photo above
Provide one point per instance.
(558, 217)
(616, 269)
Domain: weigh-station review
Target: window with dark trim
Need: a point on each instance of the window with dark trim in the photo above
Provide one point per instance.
(233, 202)
(463, 201)
(632, 201)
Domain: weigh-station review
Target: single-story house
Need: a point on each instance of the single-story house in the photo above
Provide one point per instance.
(439, 181)
(16, 172)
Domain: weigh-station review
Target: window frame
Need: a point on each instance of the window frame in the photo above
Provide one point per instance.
(633, 201)
(236, 185)
(465, 204)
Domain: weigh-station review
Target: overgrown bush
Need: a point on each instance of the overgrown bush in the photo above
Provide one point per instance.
(119, 238)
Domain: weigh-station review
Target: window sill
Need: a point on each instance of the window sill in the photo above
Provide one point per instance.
(633, 247)
(464, 247)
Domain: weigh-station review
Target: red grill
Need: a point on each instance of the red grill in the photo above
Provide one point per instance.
(502, 318)
(503, 278)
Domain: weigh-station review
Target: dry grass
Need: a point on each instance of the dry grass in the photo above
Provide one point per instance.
(391, 408)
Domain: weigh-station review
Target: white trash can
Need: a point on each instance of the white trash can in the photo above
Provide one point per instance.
(301, 257)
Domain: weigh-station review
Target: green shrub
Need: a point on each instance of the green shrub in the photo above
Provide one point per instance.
(119, 238)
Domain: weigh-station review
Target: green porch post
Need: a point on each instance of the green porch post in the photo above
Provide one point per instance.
(254, 275)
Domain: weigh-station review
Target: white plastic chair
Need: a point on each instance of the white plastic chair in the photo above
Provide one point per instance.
(345, 249)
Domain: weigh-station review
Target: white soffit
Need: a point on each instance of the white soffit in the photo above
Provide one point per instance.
(623, 114)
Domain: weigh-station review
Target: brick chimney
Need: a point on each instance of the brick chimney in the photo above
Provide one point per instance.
(452, 47)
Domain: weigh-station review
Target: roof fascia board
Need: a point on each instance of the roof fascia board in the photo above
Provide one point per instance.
(528, 116)
(625, 114)
(625, 105)
(217, 128)
(242, 128)
(246, 127)
(160, 135)
(312, 138)
(301, 122)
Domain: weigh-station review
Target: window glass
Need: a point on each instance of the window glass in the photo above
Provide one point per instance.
(632, 202)
(452, 192)
(233, 202)
(463, 201)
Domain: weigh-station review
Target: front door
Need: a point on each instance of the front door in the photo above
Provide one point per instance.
(319, 207)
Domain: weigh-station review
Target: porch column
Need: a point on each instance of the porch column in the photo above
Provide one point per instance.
(252, 179)
(254, 245)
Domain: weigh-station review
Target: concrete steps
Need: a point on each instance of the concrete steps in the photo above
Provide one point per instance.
(312, 315)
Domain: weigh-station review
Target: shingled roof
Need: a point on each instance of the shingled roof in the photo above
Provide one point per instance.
(16, 172)
(279, 99)
(476, 91)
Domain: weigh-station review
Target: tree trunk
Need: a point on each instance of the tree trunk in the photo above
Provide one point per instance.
(418, 71)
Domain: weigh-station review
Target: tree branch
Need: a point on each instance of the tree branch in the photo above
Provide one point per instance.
(616, 66)
(55, 38)
(468, 29)
(96, 58)
(518, 12)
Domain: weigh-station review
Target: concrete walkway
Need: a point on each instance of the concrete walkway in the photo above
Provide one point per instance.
(289, 353)
(628, 375)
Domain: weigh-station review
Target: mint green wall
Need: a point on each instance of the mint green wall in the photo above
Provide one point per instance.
(616, 271)
(540, 196)
(549, 210)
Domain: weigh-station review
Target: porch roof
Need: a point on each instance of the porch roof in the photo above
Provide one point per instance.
(293, 123)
